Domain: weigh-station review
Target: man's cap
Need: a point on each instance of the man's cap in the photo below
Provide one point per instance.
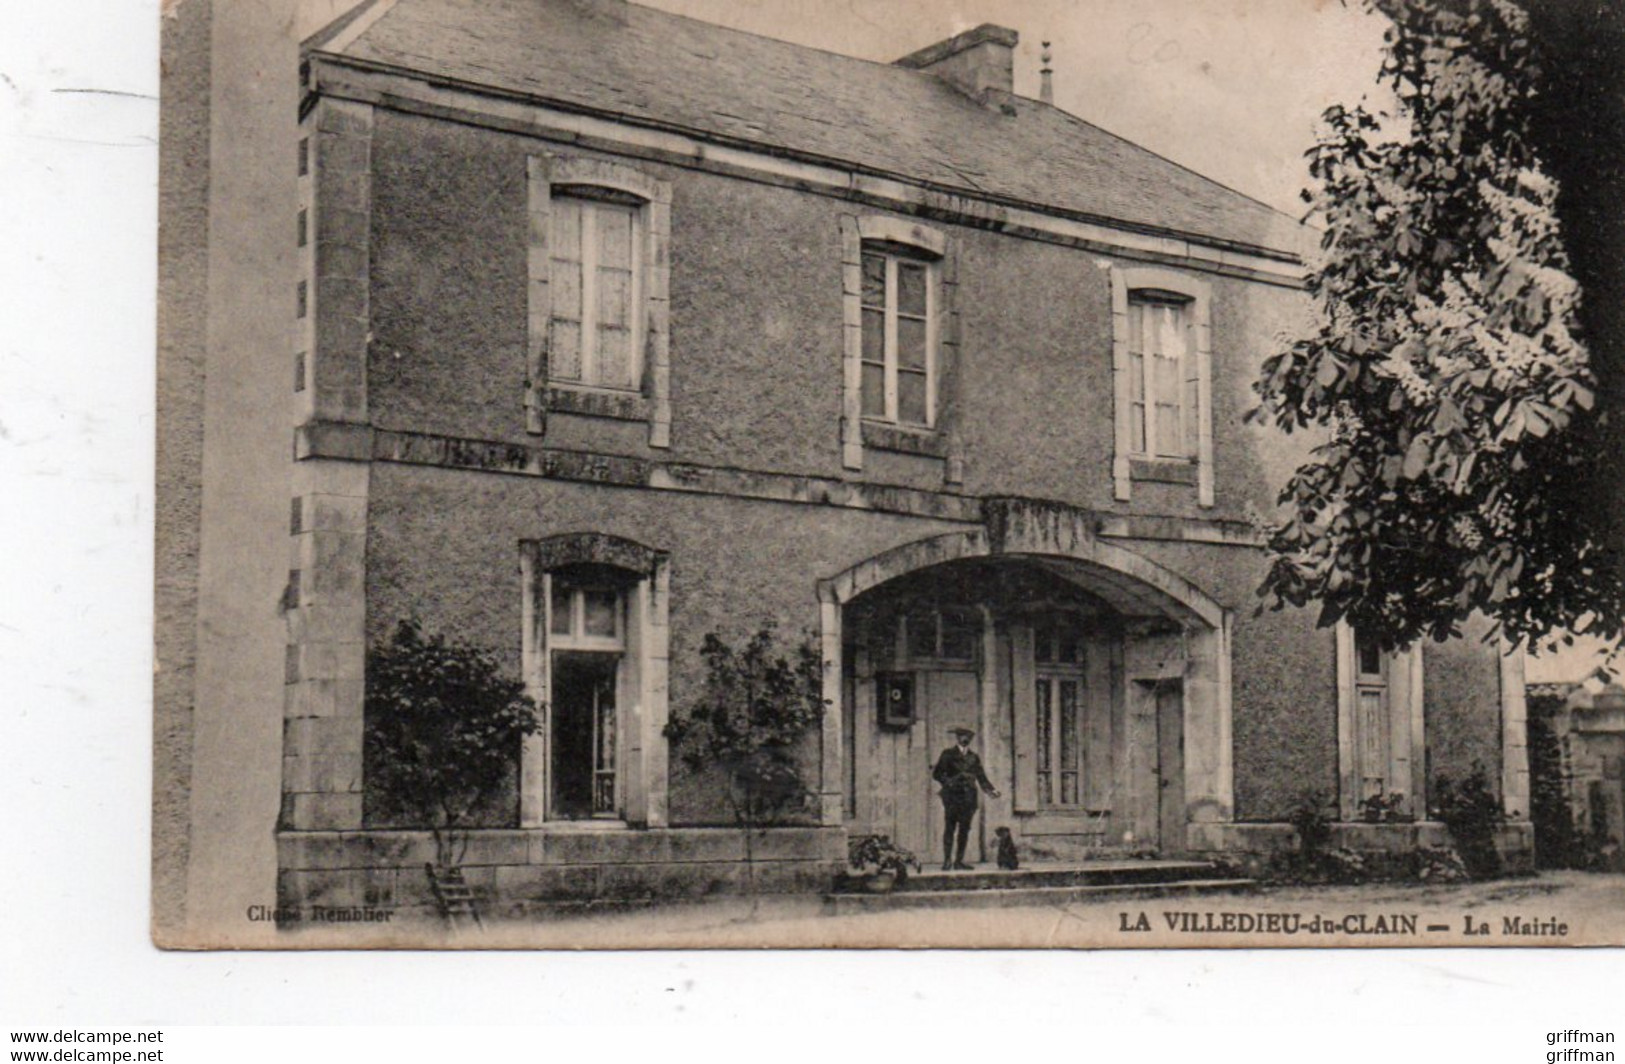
(961, 730)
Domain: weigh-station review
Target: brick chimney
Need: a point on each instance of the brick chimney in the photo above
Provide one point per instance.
(973, 61)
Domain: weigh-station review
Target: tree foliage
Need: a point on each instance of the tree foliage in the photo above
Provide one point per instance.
(1445, 368)
(443, 732)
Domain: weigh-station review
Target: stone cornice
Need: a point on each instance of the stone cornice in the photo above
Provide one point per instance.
(362, 443)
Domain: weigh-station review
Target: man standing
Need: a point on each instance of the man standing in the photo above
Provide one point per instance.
(959, 771)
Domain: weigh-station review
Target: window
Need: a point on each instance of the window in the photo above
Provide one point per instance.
(593, 654)
(900, 341)
(587, 629)
(899, 337)
(587, 616)
(595, 277)
(1381, 738)
(1058, 689)
(1162, 369)
(599, 310)
(1371, 724)
(1159, 421)
(947, 634)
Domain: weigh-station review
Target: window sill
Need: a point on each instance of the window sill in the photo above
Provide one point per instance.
(1163, 470)
(597, 402)
(930, 443)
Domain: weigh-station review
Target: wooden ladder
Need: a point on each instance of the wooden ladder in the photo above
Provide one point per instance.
(452, 895)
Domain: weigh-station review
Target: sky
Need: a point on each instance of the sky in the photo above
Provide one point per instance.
(1230, 88)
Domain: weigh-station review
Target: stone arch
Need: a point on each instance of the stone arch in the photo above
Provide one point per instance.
(1119, 571)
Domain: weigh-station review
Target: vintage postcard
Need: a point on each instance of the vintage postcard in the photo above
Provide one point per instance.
(756, 474)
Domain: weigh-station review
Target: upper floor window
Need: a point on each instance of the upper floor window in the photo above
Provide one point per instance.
(899, 336)
(900, 340)
(596, 246)
(1160, 424)
(598, 297)
(1162, 367)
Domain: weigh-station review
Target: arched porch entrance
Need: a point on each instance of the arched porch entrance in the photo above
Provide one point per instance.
(1097, 681)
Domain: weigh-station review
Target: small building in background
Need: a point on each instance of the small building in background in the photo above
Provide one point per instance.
(1577, 760)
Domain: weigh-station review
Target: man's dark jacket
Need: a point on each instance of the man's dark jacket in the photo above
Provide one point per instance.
(960, 773)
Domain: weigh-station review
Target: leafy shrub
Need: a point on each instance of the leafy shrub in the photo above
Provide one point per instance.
(1472, 813)
(1313, 821)
(1384, 808)
(1342, 865)
(443, 735)
(1440, 864)
(757, 703)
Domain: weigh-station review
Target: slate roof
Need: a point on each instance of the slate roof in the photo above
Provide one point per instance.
(619, 58)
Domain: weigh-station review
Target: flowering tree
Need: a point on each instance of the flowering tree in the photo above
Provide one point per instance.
(1458, 406)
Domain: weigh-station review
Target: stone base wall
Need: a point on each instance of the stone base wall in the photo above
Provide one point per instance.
(1516, 840)
(510, 871)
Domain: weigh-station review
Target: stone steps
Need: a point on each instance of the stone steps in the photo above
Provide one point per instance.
(1040, 884)
(1058, 874)
(843, 904)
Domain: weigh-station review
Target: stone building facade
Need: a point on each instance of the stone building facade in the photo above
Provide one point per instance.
(613, 329)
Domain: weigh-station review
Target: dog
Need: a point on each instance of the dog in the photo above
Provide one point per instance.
(1006, 850)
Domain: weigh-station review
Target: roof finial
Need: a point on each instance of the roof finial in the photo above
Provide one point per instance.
(1046, 83)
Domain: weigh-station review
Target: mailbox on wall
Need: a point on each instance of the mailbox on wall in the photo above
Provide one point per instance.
(894, 699)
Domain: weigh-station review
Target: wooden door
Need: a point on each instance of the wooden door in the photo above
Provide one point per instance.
(1170, 767)
(947, 699)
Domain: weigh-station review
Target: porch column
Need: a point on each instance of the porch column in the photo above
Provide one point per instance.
(655, 667)
(1209, 766)
(831, 772)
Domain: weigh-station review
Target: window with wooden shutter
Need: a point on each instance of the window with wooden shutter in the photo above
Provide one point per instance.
(1381, 734)
(1162, 368)
(596, 263)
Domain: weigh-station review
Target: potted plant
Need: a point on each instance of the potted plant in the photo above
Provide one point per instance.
(877, 864)
(1384, 808)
